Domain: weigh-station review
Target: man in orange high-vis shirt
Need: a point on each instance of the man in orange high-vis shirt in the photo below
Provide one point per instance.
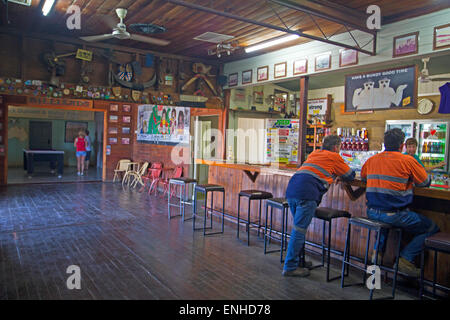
(389, 190)
(304, 193)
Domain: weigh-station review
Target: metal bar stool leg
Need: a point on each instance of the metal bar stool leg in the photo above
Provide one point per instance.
(223, 211)
(239, 209)
(248, 222)
(323, 242)
(265, 229)
(259, 219)
(344, 260)
(168, 202)
(394, 281)
(376, 258)
(206, 212)
(366, 255)
(329, 251)
(271, 225)
(212, 208)
(422, 264)
(435, 272)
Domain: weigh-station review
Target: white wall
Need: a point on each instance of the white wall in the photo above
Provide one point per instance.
(424, 24)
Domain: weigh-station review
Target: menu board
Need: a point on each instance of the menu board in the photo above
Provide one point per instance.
(281, 140)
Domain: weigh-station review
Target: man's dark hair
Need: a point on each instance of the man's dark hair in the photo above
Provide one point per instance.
(393, 139)
(87, 132)
(330, 141)
(411, 141)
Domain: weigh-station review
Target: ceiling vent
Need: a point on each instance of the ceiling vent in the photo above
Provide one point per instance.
(213, 37)
(24, 2)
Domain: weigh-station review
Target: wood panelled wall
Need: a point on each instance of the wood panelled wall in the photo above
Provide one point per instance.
(235, 180)
(21, 57)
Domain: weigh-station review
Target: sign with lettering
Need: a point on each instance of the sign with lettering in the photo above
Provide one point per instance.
(84, 55)
(317, 106)
(379, 90)
(53, 114)
(59, 102)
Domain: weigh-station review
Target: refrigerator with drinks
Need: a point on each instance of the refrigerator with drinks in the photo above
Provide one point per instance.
(433, 138)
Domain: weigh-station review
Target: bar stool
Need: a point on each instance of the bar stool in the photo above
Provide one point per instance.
(251, 195)
(439, 242)
(182, 182)
(375, 226)
(205, 188)
(282, 204)
(327, 215)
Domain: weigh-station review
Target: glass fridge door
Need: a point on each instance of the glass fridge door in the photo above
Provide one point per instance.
(432, 149)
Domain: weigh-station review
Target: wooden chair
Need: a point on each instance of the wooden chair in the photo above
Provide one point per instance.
(136, 176)
(121, 168)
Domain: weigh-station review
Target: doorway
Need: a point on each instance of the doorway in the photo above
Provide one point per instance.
(205, 146)
(44, 137)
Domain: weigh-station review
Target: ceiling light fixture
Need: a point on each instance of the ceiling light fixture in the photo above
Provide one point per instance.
(271, 43)
(48, 5)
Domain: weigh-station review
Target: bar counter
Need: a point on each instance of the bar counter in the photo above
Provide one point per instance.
(431, 202)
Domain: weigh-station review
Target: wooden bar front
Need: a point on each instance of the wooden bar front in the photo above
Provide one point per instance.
(433, 203)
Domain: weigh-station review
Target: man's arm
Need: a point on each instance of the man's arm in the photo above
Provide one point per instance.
(419, 175)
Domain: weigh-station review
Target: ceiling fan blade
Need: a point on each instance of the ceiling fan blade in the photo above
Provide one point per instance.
(158, 42)
(98, 37)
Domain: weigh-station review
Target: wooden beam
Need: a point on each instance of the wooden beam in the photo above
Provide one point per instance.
(301, 156)
(225, 118)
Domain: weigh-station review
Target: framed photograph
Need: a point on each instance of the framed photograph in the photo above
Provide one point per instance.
(300, 66)
(406, 45)
(72, 129)
(1, 139)
(348, 57)
(441, 37)
(126, 130)
(126, 108)
(126, 119)
(323, 62)
(113, 107)
(112, 140)
(112, 130)
(1, 125)
(113, 118)
(246, 76)
(233, 80)
(125, 140)
(262, 73)
(394, 88)
(280, 70)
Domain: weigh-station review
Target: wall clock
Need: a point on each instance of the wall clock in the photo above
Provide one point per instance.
(425, 106)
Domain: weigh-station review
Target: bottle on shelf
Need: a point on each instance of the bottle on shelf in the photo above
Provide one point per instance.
(424, 147)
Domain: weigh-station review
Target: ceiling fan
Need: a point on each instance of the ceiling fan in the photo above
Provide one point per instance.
(120, 32)
(424, 75)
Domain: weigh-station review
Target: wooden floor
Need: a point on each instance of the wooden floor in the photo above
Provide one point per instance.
(126, 248)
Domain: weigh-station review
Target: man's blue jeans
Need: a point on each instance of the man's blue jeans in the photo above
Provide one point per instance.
(421, 227)
(302, 212)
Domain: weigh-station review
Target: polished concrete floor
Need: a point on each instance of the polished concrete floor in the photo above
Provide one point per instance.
(43, 174)
(127, 248)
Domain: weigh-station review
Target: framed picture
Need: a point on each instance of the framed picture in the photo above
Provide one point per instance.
(1, 139)
(246, 76)
(113, 118)
(72, 129)
(112, 140)
(112, 130)
(394, 88)
(441, 37)
(405, 45)
(1, 126)
(348, 57)
(300, 66)
(125, 140)
(280, 70)
(323, 62)
(262, 73)
(126, 108)
(126, 119)
(126, 130)
(113, 107)
(233, 80)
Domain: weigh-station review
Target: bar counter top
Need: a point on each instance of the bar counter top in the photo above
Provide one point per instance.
(289, 170)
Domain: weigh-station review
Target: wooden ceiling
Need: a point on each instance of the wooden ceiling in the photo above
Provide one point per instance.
(183, 24)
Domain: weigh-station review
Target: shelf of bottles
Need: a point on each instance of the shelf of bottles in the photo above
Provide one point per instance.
(315, 135)
(432, 140)
(353, 139)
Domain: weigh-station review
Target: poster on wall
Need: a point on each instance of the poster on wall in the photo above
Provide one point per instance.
(159, 124)
(281, 140)
(377, 90)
